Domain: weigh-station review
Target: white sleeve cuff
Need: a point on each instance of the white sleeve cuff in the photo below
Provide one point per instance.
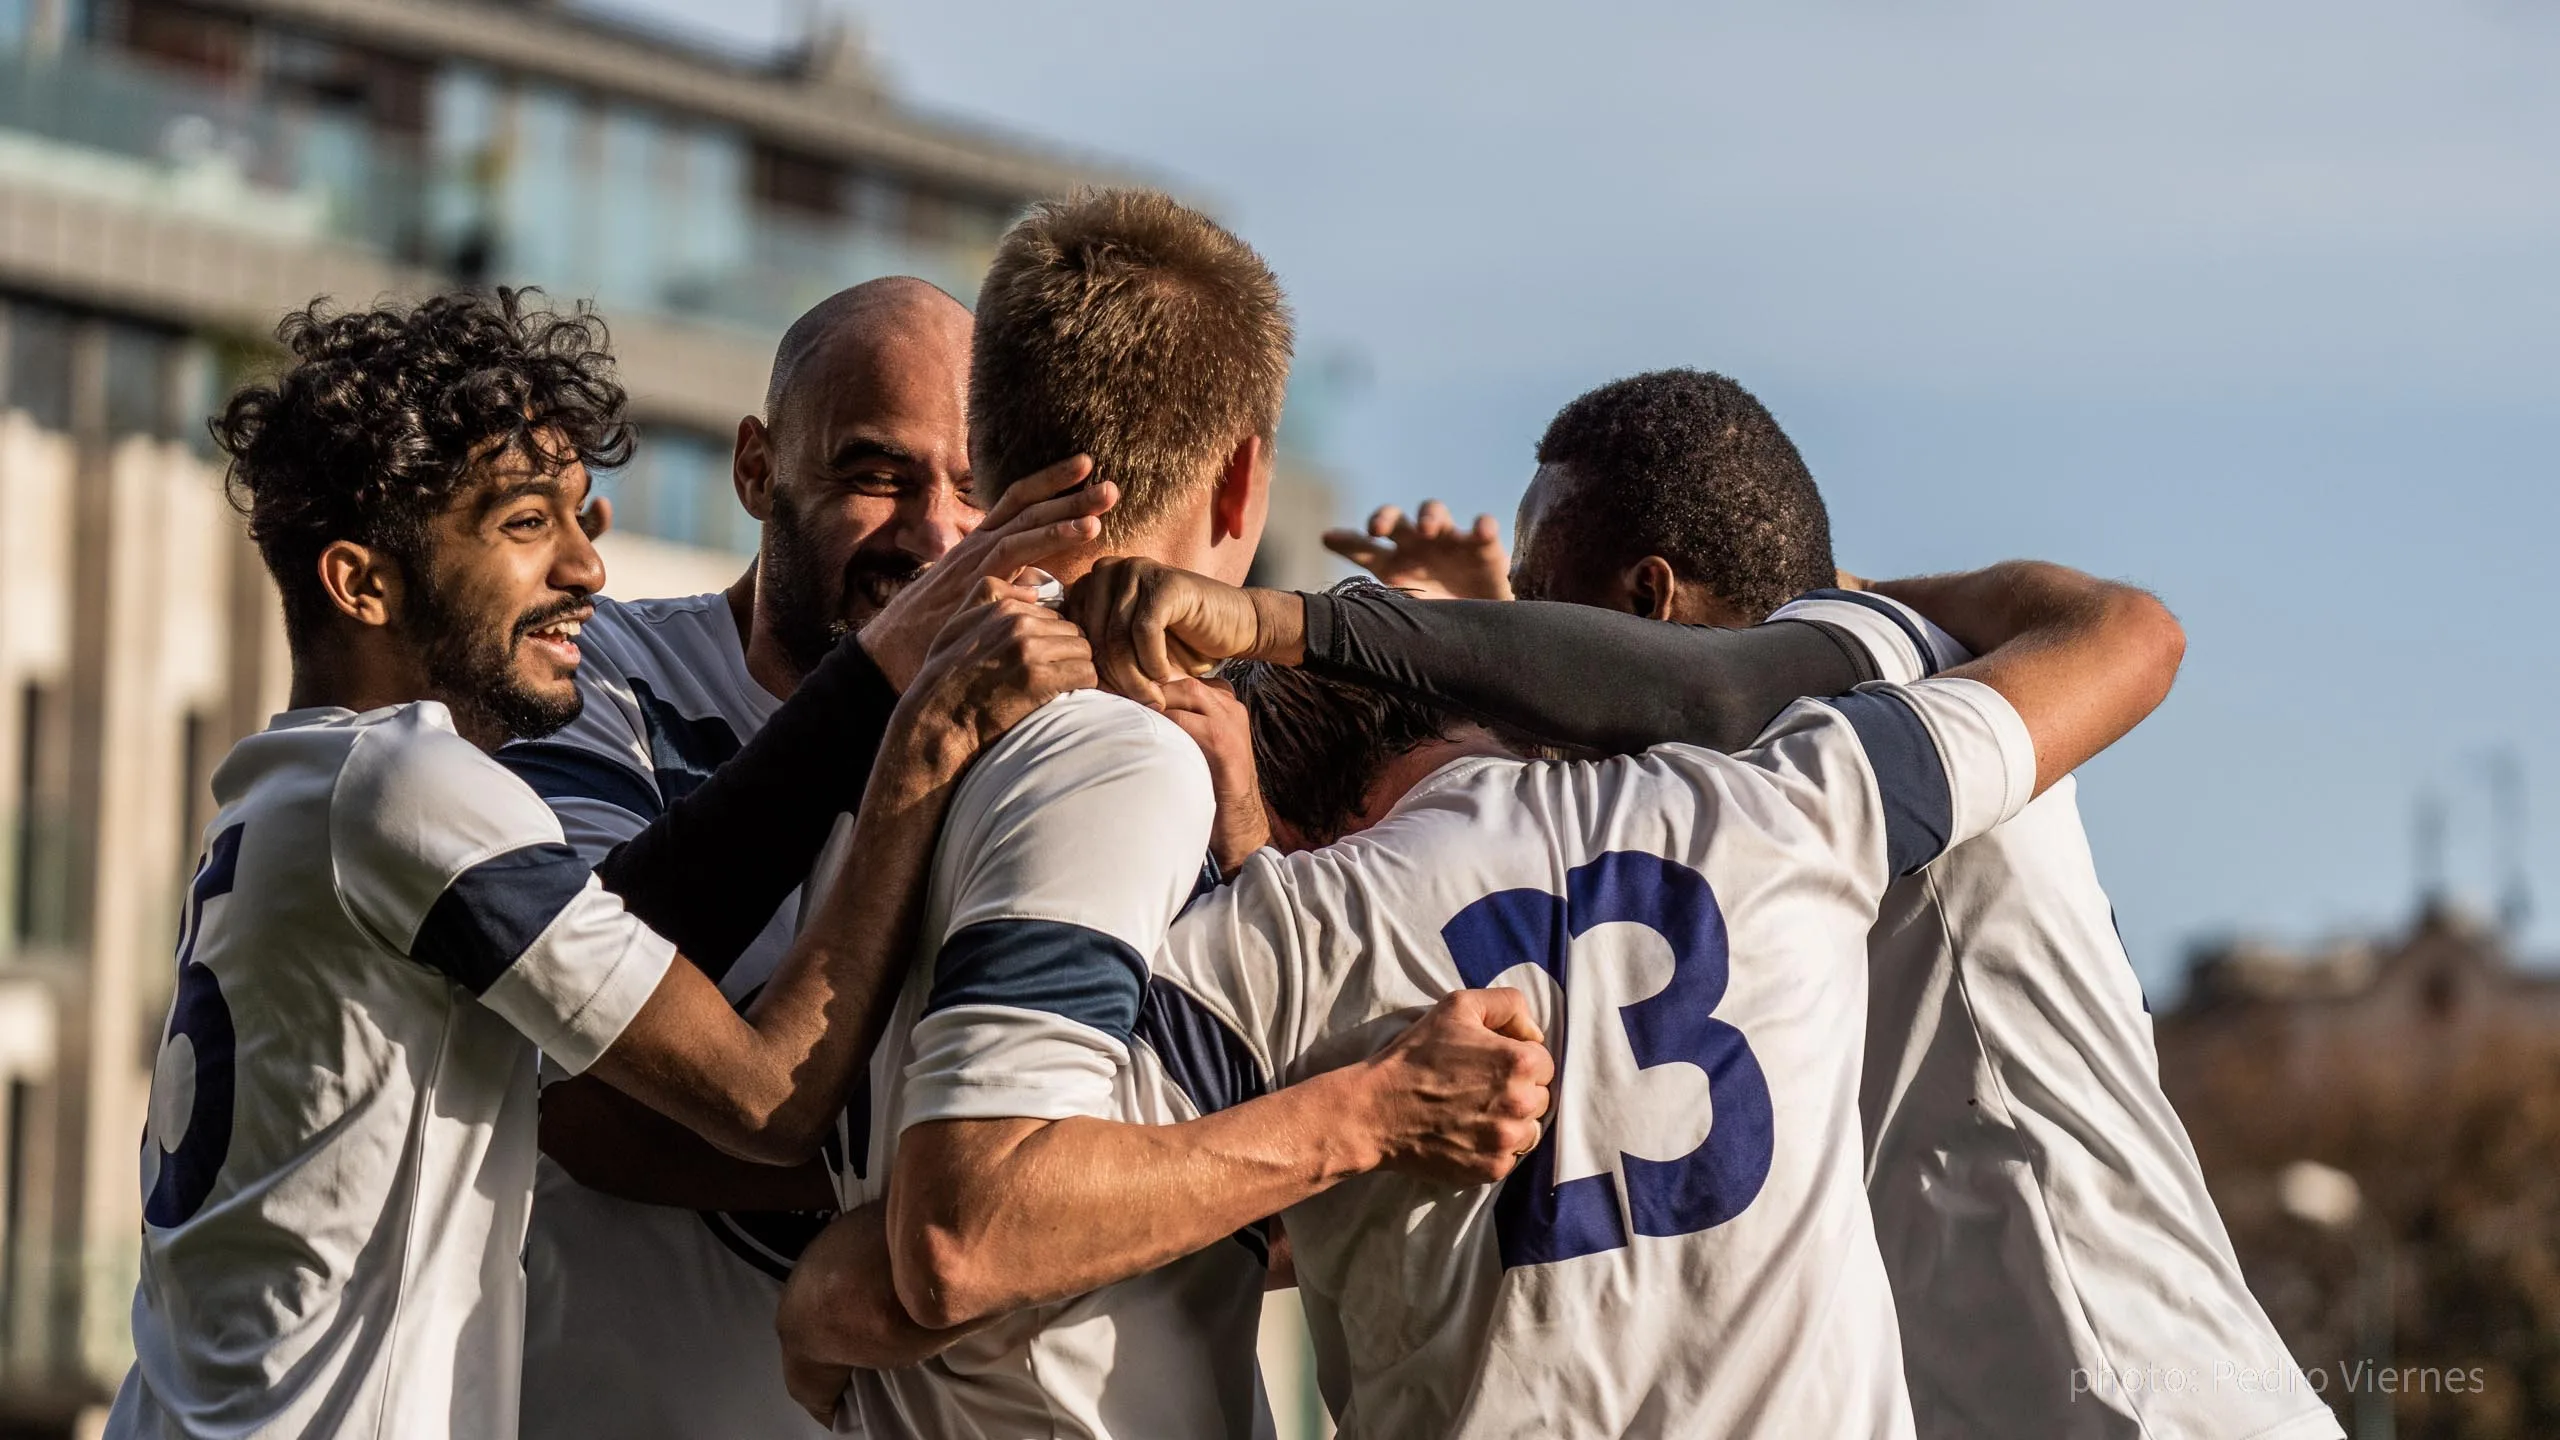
(566, 1002)
(993, 1062)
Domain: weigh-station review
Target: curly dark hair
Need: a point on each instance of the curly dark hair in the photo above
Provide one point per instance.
(1688, 465)
(385, 412)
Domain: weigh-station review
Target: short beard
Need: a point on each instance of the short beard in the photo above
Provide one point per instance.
(808, 614)
(476, 675)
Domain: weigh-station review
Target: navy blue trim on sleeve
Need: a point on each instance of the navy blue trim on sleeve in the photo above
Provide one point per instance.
(1070, 971)
(559, 771)
(1911, 778)
(1206, 884)
(1200, 1051)
(493, 912)
(1890, 611)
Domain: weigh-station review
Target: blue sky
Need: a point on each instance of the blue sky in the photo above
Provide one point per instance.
(2254, 305)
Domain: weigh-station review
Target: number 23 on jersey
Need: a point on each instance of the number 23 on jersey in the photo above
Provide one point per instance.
(1540, 1221)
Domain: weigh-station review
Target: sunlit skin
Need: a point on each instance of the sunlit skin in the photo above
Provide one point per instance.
(507, 578)
(1544, 569)
(865, 482)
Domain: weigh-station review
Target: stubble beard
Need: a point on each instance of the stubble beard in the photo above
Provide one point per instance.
(475, 672)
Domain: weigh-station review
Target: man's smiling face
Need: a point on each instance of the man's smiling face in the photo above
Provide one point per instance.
(500, 594)
(867, 464)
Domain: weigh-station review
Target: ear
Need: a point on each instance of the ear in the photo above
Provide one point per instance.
(1650, 589)
(1231, 509)
(751, 468)
(361, 582)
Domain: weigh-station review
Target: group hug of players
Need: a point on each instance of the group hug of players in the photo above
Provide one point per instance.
(900, 995)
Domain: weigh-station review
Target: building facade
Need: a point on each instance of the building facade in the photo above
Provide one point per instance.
(176, 174)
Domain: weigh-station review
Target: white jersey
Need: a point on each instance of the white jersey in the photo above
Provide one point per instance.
(1687, 1251)
(1068, 849)
(647, 1322)
(2061, 1270)
(340, 1156)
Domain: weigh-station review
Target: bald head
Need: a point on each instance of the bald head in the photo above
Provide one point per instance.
(860, 467)
(851, 329)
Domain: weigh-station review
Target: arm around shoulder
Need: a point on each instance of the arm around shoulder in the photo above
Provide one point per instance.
(2082, 660)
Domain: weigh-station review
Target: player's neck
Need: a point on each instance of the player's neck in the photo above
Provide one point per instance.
(364, 676)
(768, 663)
(1221, 563)
(1187, 539)
(1421, 763)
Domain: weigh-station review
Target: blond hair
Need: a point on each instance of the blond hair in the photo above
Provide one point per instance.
(1124, 325)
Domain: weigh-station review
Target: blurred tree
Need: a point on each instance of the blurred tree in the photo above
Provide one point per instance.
(2431, 1074)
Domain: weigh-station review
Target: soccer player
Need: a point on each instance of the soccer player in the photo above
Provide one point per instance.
(2057, 1261)
(1121, 325)
(1687, 1250)
(386, 924)
(650, 1321)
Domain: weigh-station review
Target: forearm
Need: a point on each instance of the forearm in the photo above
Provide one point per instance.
(2082, 660)
(765, 1086)
(840, 1307)
(611, 1143)
(823, 1012)
(1994, 606)
(709, 873)
(1574, 674)
(990, 1217)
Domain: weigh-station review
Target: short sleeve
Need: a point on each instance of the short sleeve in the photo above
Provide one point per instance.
(1070, 848)
(1229, 1001)
(1951, 759)
(1936, 763)
(1902, 642)
(451, 862)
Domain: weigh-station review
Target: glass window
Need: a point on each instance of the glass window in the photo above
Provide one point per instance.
(463, 166)
(631, 211)
(677, 489)
(544, 195)
(707, 215)
(141, 378)
(805, 185)
(681, 512)
(39, 368)
(40, 890)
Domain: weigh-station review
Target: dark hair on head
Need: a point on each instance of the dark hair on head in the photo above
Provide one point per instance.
(1124, 325)
(1320, 743)
(384, 413)
(1688, 465)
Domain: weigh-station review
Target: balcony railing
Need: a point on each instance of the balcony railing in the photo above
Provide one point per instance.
(501, 209)
(98, 123)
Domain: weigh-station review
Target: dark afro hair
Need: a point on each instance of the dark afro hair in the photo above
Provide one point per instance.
(384, 413)
(1687, 465)
(1320, 742)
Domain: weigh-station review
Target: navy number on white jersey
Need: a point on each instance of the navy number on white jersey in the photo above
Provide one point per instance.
(1540, 1221)
(192, 1145)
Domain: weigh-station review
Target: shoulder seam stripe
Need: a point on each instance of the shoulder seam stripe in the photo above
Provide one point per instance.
(1886, 608)
(493, 912)
(1911, 777)
(1074, 972)
(561, 771)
